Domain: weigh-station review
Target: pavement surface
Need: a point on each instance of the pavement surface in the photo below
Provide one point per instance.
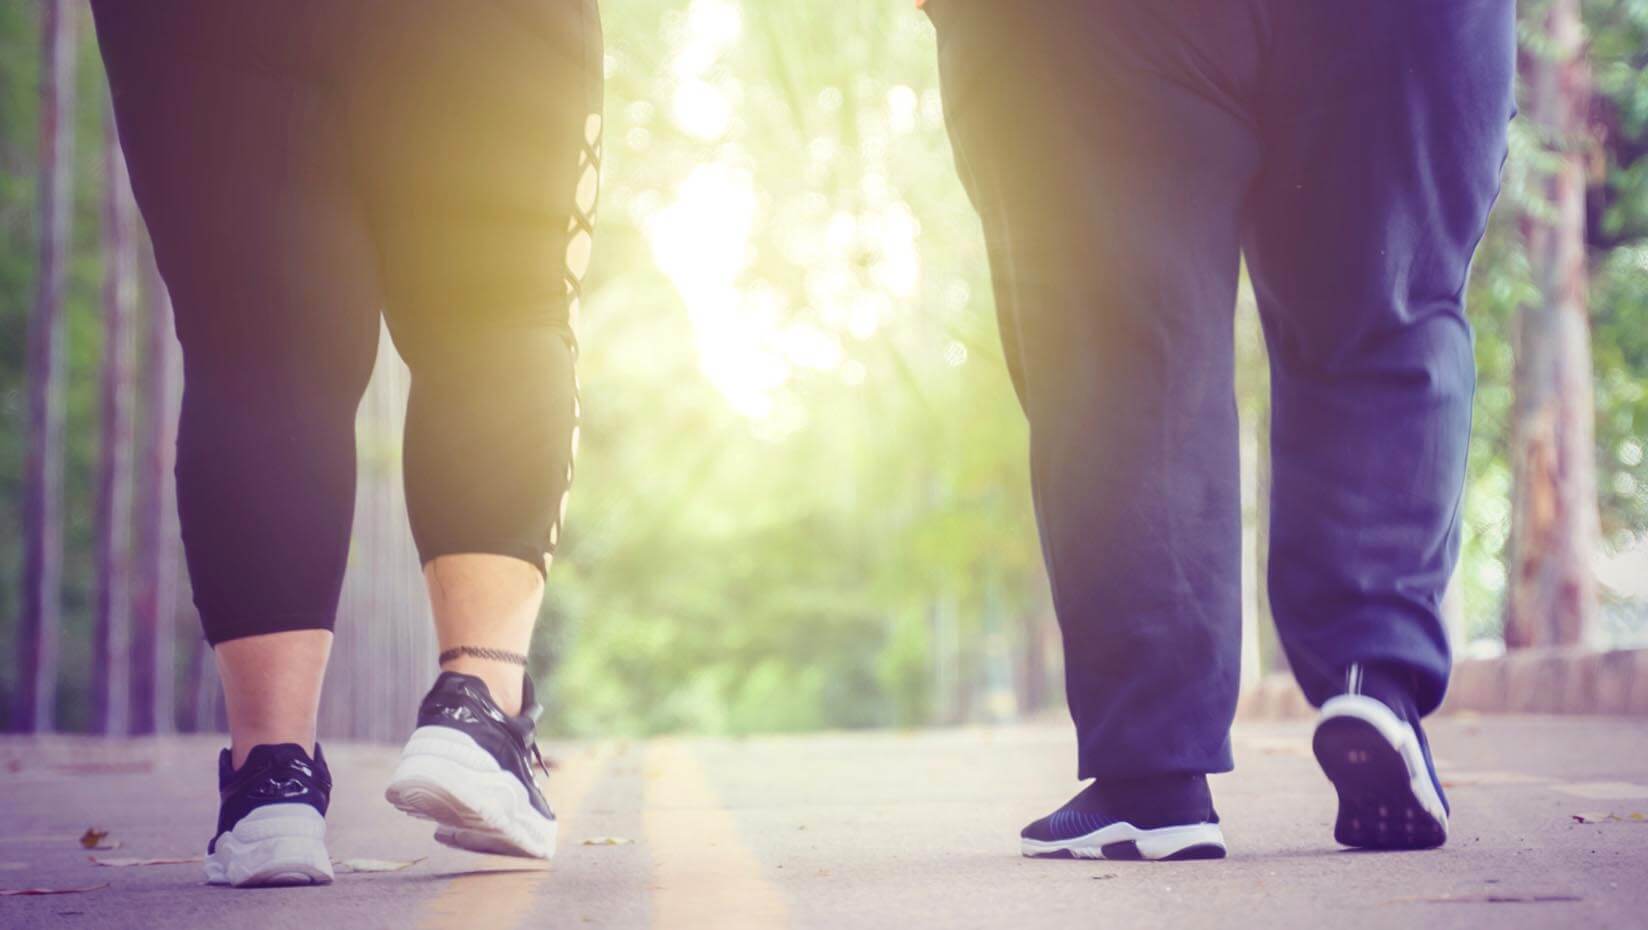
(853, 830)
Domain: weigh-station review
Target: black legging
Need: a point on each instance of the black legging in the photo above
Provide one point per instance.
(305, 165)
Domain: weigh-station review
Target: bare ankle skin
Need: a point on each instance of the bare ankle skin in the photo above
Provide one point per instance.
(488, 603)
(271, 688)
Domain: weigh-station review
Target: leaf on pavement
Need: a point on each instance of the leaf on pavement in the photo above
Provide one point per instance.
(124, 862)
(94, 838)
(374, 865)
(1633, 817)
(14, 892)
(608, 841)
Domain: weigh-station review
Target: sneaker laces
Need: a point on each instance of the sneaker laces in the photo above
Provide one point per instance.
(531, 710)
(538, 756)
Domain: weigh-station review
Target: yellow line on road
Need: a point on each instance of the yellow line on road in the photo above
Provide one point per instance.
(703, 873)
(498, 897)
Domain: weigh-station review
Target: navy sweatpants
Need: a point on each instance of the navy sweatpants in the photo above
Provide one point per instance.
(1124, 156)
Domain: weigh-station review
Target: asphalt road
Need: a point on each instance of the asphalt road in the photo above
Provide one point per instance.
(854, 830)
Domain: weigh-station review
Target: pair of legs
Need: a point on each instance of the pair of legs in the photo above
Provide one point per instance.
(1124, 157)
(306, 169)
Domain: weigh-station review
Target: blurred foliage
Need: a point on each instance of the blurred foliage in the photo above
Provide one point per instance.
(802, 496)
(801, 456)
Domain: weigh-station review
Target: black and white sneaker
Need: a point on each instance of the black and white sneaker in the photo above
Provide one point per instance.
(1168, 817)
(1370, 744)
(271, 824)
(469, 767)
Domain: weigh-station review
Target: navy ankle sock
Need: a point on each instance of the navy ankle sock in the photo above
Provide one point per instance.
(1150, 801)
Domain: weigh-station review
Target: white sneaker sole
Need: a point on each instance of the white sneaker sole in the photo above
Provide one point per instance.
(1125, 841)
(1386, 797)
(445, 776)
(277, 844)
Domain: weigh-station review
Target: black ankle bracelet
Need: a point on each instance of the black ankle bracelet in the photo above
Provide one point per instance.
(482, 652)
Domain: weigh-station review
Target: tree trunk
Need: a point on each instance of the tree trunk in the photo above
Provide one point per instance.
(43, 472)
(1551, 595)
(111, 666)
(159, 548)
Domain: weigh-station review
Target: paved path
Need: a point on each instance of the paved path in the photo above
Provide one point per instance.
(860, 831)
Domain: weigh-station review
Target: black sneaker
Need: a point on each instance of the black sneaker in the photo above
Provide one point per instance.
(1161, 817)
(469, 768)
(1373, 749)
(271, 825)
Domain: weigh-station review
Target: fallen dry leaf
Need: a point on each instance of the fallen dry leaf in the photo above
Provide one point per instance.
(14, 892)
(1633, 817)
(373, 865)
(608, 841)
(94, 838)
(125, 862)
